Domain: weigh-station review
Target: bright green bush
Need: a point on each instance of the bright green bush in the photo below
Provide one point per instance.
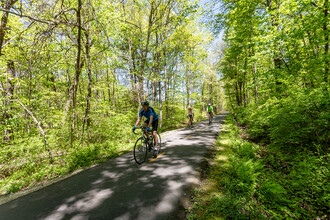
(244, 149)
(241, 176)
(297, 121)
(296, 186)
(83, 157)
(301, 121)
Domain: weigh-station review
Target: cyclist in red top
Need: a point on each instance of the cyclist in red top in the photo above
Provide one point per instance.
(190, 115)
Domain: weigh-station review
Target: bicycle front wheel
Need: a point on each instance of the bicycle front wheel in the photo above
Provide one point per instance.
(140, 151)
(159, 143)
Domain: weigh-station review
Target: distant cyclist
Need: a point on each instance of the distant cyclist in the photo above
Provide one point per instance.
(210, 110)
(190, 115)
(152, 119)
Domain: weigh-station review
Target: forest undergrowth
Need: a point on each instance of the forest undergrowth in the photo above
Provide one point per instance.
(250, 180)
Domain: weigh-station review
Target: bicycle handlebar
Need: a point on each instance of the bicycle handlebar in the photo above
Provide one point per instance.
(142, 128)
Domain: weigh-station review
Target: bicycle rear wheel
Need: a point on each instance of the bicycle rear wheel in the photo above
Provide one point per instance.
(140, 151)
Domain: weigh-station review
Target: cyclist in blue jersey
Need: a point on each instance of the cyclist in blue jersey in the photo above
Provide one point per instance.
(152, 119)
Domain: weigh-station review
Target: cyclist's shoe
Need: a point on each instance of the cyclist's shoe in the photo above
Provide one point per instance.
(155, 153)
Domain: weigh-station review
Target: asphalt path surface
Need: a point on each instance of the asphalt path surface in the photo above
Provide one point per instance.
(121, 189)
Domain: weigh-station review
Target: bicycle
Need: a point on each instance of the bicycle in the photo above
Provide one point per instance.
(210, 118)
(190, 123)
(145, 144)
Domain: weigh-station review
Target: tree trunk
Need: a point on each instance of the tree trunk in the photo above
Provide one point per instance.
(89, 86)
(113, 92)
(10, 92)
(165, 84)
(7, 5)
(174, 86)
(78, 68)
(237, 84)
(146, 50)
(160, 104)
(276, 58)
(188, 84)
(154, 89)
(326, 39)
(255, 83)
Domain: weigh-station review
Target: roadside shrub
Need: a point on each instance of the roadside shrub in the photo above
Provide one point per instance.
(298, 188)
(301, 120)
(241, 176)
(83, 157)
(243, 149)
(233, 206)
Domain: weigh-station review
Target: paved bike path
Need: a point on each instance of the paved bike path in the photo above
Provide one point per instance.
(121, 189)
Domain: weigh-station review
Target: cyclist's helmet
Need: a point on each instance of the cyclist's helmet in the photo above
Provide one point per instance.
(145, 103)
(209, 104)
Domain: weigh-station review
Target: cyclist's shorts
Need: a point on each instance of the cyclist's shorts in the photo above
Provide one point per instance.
(210, 113)
(154, 124)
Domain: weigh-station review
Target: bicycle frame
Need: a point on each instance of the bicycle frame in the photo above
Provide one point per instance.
(210, 115)
(190, 120)
(145, 134)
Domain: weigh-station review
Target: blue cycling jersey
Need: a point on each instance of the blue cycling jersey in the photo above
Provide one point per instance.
(149, 112)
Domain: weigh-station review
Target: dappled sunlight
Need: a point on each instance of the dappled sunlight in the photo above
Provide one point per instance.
(111, 175)
(222, 157)
(86, 202)
(165, 172)
(225, 141)
(167, 204)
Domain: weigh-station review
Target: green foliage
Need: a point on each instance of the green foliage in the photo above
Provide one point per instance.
(244, 150)
(295, 186)
(28, 163)
(83, 157)
(297, 122)
(250, 182)
(302, 120)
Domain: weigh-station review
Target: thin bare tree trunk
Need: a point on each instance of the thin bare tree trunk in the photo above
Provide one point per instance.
(10, 92)
(165, 83)
(113, 91)
(154, 89)
(255, 83)
(77, 73)
(188, 84)
(89, 86)
(326, 39)
(160, 104)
